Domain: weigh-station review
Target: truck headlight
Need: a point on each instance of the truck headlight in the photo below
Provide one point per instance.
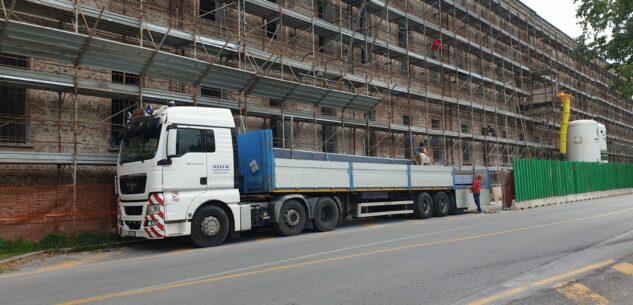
(151, 223)
(153, 209)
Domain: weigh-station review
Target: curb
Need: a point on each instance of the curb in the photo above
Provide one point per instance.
(20, 257)
(569, 199)
(63, 251)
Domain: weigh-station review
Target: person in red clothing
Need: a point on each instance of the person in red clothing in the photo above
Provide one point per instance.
(436, 47)
(476, 190)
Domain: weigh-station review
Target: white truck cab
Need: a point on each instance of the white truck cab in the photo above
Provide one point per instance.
(172, 161)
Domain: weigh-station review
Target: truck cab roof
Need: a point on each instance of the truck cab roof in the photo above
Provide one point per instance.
(203, 116)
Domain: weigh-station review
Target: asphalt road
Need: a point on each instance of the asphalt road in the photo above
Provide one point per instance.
(505, 257)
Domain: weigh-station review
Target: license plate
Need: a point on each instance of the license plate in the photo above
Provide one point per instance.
(131, 234)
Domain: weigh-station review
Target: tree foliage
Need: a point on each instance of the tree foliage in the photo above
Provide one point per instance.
(608, 35)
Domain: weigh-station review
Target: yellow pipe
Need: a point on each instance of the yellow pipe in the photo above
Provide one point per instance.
(565, 99)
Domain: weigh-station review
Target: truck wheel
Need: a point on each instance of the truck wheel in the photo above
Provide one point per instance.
(441, 203)
(209, 227)
(326, 214)
(292, 218)
(422, 205)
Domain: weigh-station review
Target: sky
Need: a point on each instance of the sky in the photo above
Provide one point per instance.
(560, 13)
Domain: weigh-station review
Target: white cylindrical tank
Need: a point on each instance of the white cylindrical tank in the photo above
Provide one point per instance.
(602, 134)
(583, 141)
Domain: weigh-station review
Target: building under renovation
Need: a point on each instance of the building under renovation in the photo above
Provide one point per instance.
(474, 80)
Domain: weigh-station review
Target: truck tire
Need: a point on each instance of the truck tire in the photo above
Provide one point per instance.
(209, 227)
(326, 214)
(422, 205)
(441, 204)
(292, 218)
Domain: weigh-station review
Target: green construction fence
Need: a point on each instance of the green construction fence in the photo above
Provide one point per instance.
(535, 179)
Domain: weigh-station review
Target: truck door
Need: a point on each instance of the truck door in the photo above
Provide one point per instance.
(186, 177)
(220, 163)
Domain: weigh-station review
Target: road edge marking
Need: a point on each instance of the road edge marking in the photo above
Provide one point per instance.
(625, 268)
(581, 294)
(541, 283)
(58, 267)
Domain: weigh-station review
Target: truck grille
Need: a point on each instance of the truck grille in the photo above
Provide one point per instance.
(132, 184)
(133, 225)
(134, 210)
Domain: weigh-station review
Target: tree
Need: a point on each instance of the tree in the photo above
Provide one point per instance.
(608, 35)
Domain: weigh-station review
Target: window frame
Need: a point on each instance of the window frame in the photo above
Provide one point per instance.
(21, 95)
(211, 92)
(272, 30)
(207, 14)
(437, 149)
(330, 132)
(406, 120)
(20, 118)
(435, 126)
(126, 78)
(204, 132)
(467, 152)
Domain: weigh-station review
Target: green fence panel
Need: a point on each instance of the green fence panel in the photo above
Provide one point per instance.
(535, 179)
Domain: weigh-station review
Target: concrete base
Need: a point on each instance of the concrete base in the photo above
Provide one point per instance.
(569, 198)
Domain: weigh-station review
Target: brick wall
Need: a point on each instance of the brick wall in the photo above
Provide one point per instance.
(32, 212)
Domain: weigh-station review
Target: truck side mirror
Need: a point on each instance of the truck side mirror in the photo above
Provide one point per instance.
(172, 138)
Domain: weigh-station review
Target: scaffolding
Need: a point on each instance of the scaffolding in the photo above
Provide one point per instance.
(346, 76)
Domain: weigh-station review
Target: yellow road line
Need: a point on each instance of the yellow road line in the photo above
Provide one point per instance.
(62, 266)
(264, 239)
(500, 296)
(581, 294)
(373, 225)
(57, 267)
(178, 252)
(543, 282)
(625, 268)
(570, 274)
(211, 279)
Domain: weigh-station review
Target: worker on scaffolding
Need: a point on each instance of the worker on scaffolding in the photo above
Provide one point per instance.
(421, 155)
(436, 47)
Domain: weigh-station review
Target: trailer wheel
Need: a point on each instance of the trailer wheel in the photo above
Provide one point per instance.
(422, 205)
(441, 204)
(209, 227)
(292, 218)
(326, 214)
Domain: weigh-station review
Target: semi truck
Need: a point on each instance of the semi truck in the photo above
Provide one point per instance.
(185, 171)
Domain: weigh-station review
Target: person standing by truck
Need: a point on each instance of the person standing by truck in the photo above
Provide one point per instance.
(476, 190)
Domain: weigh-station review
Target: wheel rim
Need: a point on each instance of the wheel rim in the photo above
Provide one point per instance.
(443, 204)
(210, 226)
(327, 214)
(292, 217)
(426, 205)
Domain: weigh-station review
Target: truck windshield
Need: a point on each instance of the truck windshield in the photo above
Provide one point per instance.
(140, 140)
